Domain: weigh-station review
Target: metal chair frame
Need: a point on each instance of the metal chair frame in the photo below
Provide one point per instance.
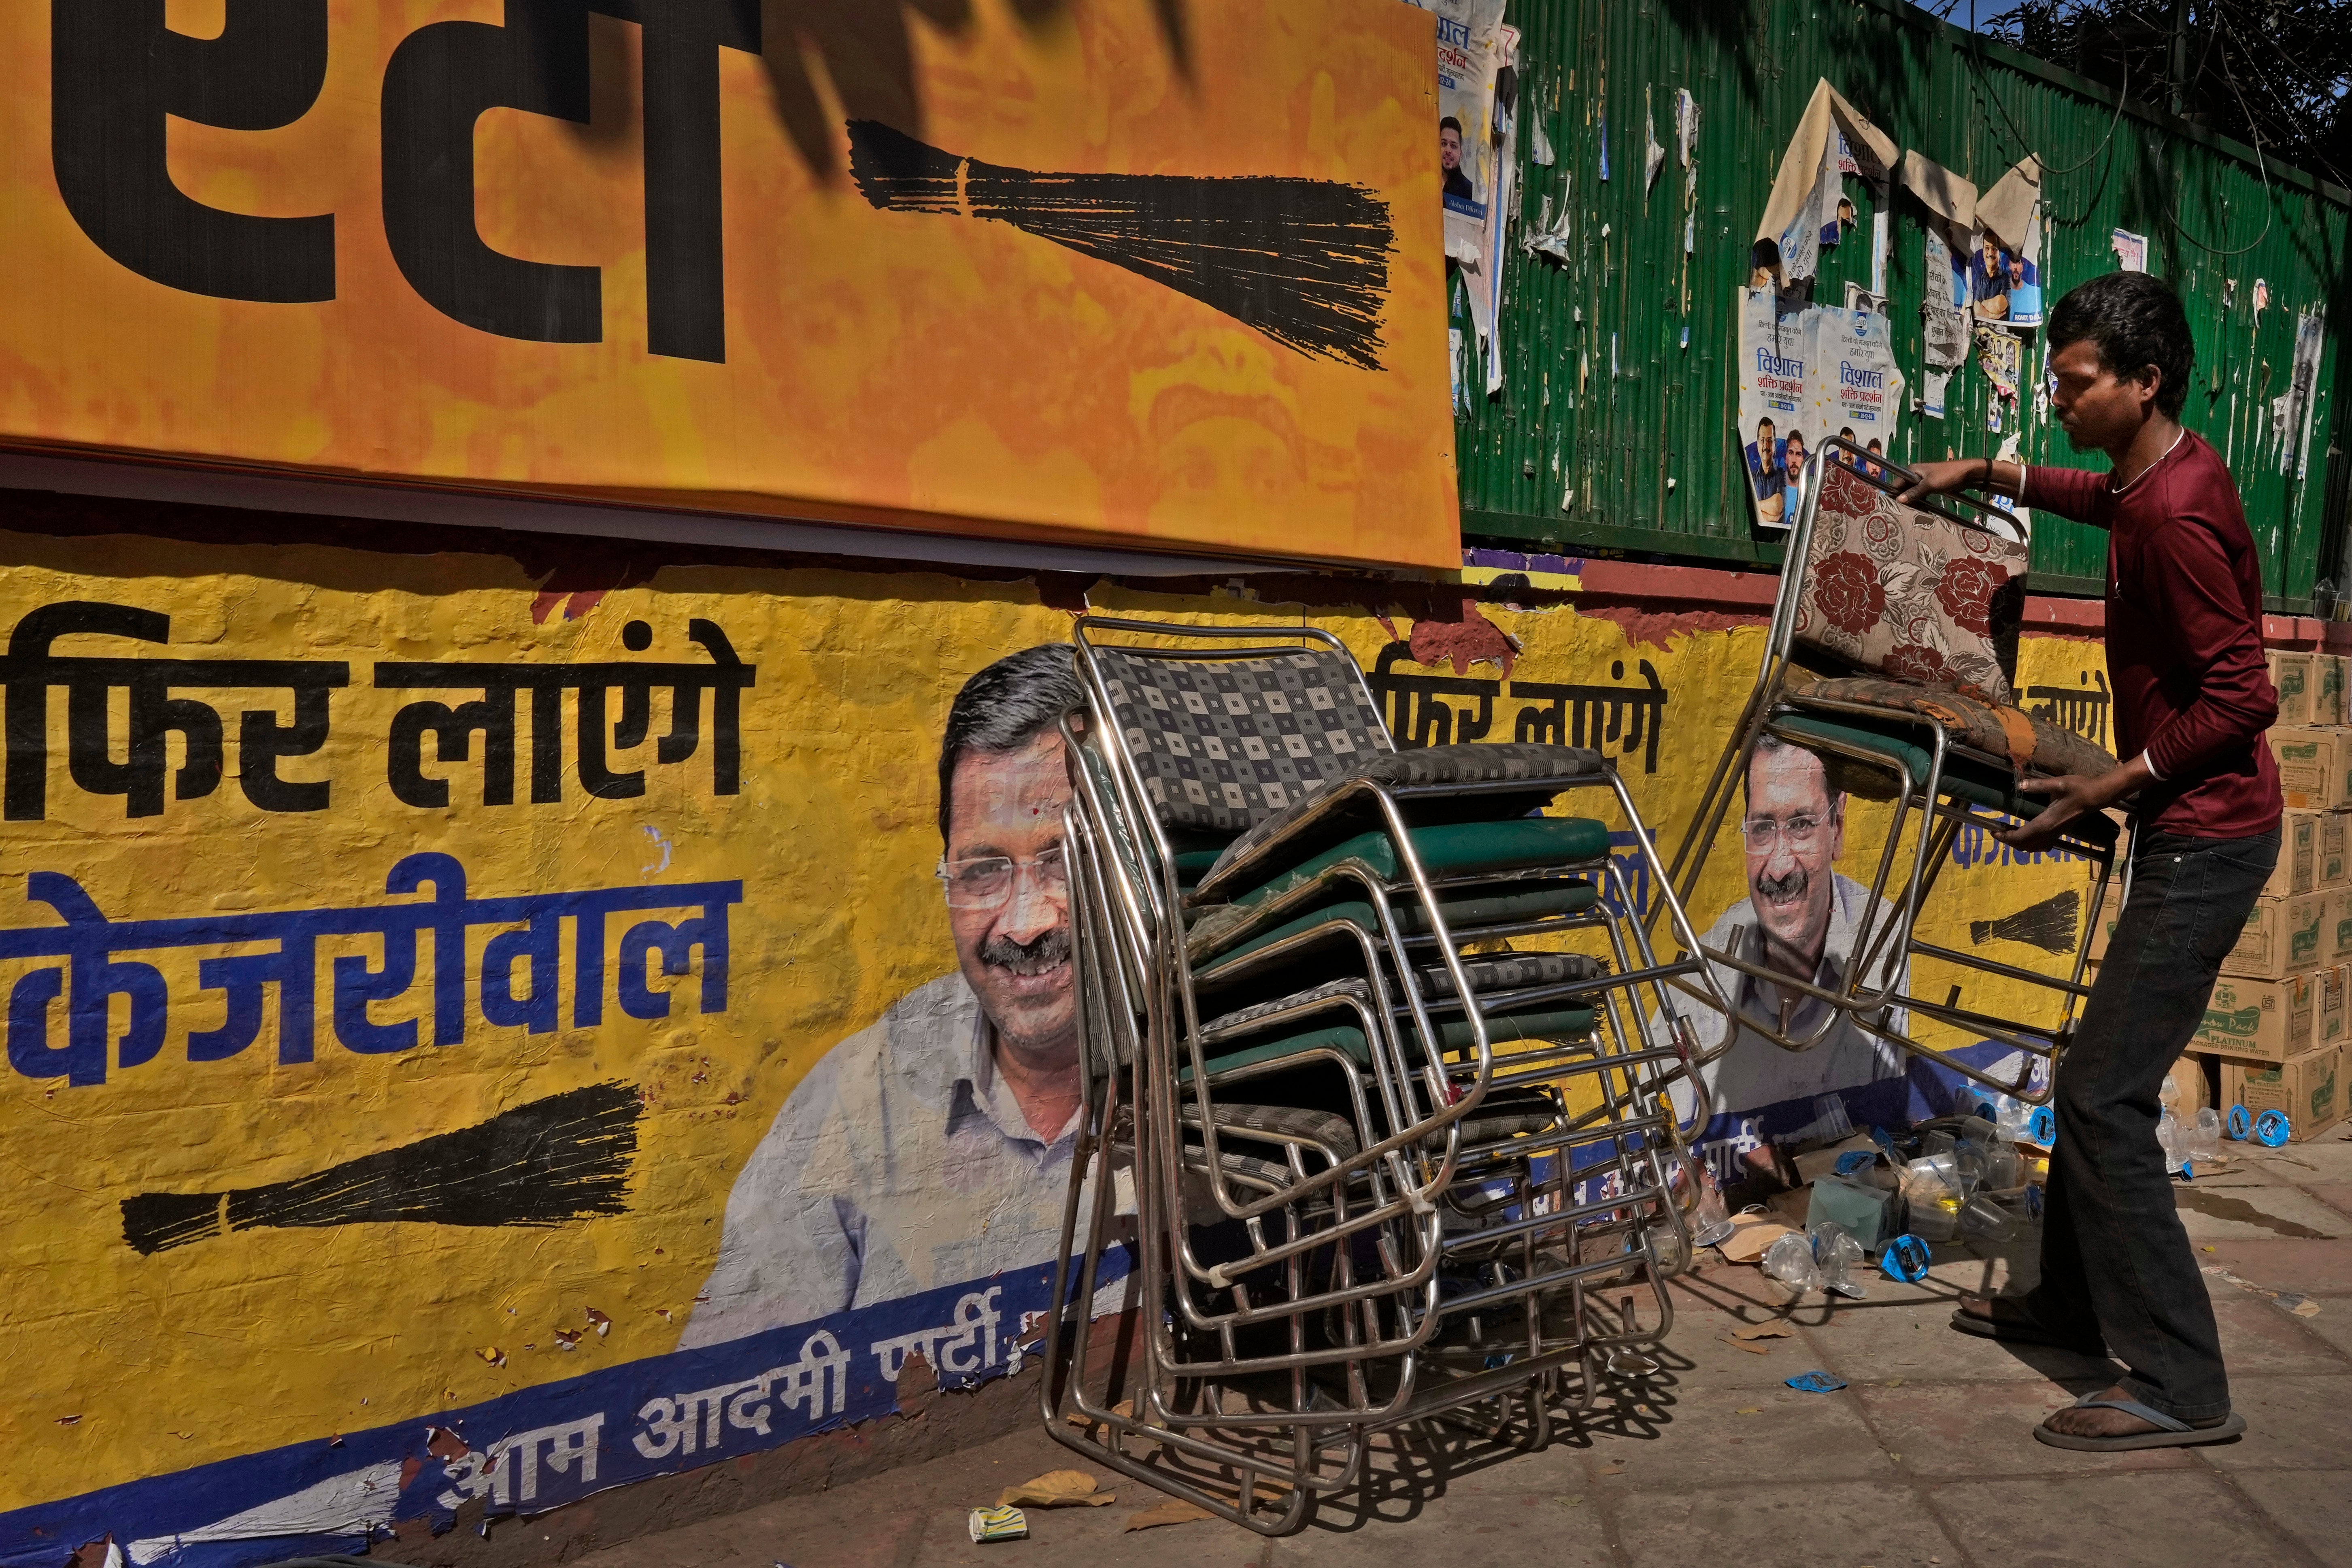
(1140, 1019)
(1940, 820)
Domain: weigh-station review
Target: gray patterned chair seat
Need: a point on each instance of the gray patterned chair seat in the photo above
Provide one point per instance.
(1545, 769)
(1239, 746)
(1517, 972)
(1257, 1012)
(1513, 971)
(1222, 745)
(1284, 1124)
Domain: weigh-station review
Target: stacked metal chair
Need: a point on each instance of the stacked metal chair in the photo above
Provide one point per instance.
(1384, 1158)
(1929, 724)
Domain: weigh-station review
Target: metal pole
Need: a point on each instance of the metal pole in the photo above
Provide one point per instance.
(2179, 72)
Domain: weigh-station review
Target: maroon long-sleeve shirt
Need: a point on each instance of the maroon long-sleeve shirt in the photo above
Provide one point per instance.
(2184, 638)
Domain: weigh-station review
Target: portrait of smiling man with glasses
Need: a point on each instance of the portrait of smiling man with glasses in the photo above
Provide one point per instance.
(933, 1148)
(1800, 919)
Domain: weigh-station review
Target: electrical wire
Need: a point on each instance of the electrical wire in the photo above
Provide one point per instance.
(2270, 202)
(2026, 143)
(2261, 164)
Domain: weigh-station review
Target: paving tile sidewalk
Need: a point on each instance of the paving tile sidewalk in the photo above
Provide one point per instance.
(1926, 1459)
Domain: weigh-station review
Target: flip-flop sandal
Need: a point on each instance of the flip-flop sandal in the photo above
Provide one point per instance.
(2023, 1330)
(2169, 1432)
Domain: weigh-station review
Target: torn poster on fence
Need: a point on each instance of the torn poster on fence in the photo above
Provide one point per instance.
(1468, 57)
(1996, 351)
(1486, 287)
(2292, 411)
(1806, 192)
(1807, 373)
(2005, 275)
(1548, 235)
(1653, 156)
(1774, 354)
(1859, 393)
(2131, 250)
(1946, 328)
(1999, 502)
(1931, 393)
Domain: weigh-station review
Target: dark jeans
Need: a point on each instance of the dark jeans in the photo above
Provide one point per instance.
(2114, 1259)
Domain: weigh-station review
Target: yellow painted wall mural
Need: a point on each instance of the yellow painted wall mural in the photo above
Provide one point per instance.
(416, 982)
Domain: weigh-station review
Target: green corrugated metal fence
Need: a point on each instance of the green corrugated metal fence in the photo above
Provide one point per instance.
(1613, 428)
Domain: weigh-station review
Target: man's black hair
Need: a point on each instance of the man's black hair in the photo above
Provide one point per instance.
(2134, 320)
(1449, 121)
(1005, 707)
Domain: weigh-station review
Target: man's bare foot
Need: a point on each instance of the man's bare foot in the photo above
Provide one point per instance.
(2093, 1422)
(1980, 1307)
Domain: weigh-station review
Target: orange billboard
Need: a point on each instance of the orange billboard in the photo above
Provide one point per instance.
(1157, 272)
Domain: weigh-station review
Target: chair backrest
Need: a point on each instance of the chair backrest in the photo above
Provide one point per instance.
(1222, 744)
(1909, 593)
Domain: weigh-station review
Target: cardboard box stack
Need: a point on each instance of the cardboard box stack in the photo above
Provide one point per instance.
(2278, 1022)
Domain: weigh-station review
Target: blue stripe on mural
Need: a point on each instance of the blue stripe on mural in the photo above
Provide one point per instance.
(541, 1448)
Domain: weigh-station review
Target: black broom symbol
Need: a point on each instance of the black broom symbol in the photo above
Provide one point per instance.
(562, 1158)
(1304, 261)
(2048, 925)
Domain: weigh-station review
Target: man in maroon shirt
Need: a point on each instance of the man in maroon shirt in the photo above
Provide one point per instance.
(2192, 697)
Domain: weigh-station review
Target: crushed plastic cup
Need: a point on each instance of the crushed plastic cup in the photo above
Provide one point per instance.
(2205, 1135)
(1944, 1168)
(1981, 1217)
(1973, 1159)
(1710, 1221)
(1932, 1195)
(2003, 1168)
(1692, 1188)
(1791, 1262)
(1831, 1122)
(2007, 1114)
(1839, 1257)
(1906, 1259)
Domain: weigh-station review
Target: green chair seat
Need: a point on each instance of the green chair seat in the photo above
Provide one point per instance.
(1991, 785)
(1191, 864)
(1963, 776)
(1348, 1039)
(1461, 914)
(1456, 849)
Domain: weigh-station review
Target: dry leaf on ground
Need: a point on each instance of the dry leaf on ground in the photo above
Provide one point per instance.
(1760, 1332)
(1175, 1510)
(1124, 1410)
(1744, 1345)
(1057, 1488)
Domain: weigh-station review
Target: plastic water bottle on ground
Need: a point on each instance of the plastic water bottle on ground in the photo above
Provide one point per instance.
(2172, 1140)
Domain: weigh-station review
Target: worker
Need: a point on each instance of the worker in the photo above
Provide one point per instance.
(2192, 698)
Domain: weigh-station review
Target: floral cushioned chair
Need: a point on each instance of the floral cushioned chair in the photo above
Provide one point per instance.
(1893, 656)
